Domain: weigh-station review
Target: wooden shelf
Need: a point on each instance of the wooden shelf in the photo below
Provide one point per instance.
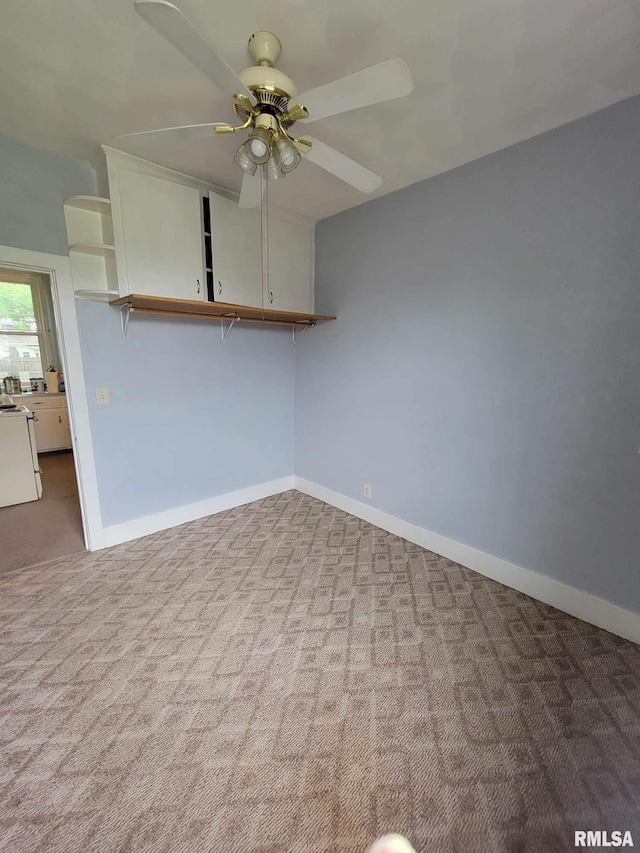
(161, 305)
(92, 203)
(102, 250)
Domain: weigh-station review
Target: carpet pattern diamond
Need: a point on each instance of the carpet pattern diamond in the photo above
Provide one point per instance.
(286, 677)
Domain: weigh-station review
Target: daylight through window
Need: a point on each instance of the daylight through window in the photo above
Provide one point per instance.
(27, 334)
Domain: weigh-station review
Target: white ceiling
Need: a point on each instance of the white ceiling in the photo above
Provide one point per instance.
(488, 73)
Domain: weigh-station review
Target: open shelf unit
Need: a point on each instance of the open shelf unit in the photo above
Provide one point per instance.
(225, 312)
(91, 249)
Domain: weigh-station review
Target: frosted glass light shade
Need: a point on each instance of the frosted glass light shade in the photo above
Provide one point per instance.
(274, 172)
(286, 154)
(259, 145)
(244, 161)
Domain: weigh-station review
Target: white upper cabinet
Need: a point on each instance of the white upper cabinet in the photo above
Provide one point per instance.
(237, 258)
(158, 236)
(235, 243)
(168, 244)
(290, 283)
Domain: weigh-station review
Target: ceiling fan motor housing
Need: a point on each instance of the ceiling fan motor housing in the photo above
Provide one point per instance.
(271, 87)
(268, 79)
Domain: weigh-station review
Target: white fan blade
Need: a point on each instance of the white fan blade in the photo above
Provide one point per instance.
(167, 135)
(251, 192)
(373, 85)
(342, 167)
(169, 21)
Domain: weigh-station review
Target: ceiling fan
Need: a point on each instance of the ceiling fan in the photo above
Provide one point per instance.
(265, 100)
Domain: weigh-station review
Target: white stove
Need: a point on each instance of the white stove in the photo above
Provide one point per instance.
(13, 410)
(19, 469)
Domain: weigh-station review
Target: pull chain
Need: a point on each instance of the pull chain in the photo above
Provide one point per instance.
(264, 232)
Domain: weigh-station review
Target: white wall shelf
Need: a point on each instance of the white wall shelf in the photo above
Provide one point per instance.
(90, 203)
(101, 250)
(97, 295)
(91, 247)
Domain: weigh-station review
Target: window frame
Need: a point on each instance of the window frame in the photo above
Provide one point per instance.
(42, 301)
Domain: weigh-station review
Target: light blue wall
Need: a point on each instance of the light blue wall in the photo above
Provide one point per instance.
(483, 373)
(33, 187)
(189, 417)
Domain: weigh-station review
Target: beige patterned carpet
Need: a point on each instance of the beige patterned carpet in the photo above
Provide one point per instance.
(285, 677)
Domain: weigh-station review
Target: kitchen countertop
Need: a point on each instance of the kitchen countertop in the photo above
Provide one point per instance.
(38, 394)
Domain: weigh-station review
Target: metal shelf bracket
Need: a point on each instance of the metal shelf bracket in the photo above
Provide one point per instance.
(224, 329)
(125, 313)
(303, 329)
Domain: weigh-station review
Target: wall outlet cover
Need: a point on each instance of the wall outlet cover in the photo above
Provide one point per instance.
(102, 396)
(366, 491)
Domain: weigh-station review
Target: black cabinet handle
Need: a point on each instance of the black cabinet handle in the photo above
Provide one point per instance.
(219, 288)
(198, 281)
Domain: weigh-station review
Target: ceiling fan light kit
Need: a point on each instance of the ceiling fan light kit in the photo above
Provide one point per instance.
(266, 100)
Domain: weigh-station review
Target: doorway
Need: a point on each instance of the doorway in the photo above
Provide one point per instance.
(40, 508)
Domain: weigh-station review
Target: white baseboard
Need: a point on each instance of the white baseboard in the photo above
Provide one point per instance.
(590, 608)
(129, 530)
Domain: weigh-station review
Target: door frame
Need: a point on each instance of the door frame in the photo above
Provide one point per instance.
(58, 268)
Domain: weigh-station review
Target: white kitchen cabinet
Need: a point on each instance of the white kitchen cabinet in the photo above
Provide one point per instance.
(290, 284)
(168, 244)
(158, 235)
(237, 258)
(52, 431)
(52, 427)
(235, 244)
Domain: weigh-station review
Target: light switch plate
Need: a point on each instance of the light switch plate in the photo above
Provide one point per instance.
(102, 396)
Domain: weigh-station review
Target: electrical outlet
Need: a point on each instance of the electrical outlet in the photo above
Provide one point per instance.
(367, 491)
(102, 396)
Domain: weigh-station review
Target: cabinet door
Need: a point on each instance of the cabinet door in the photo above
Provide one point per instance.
(235, 242)
(161, 235)
(51, 430)
(67, 430)
(290, 266)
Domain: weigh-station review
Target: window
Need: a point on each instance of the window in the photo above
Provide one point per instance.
(27, 333)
